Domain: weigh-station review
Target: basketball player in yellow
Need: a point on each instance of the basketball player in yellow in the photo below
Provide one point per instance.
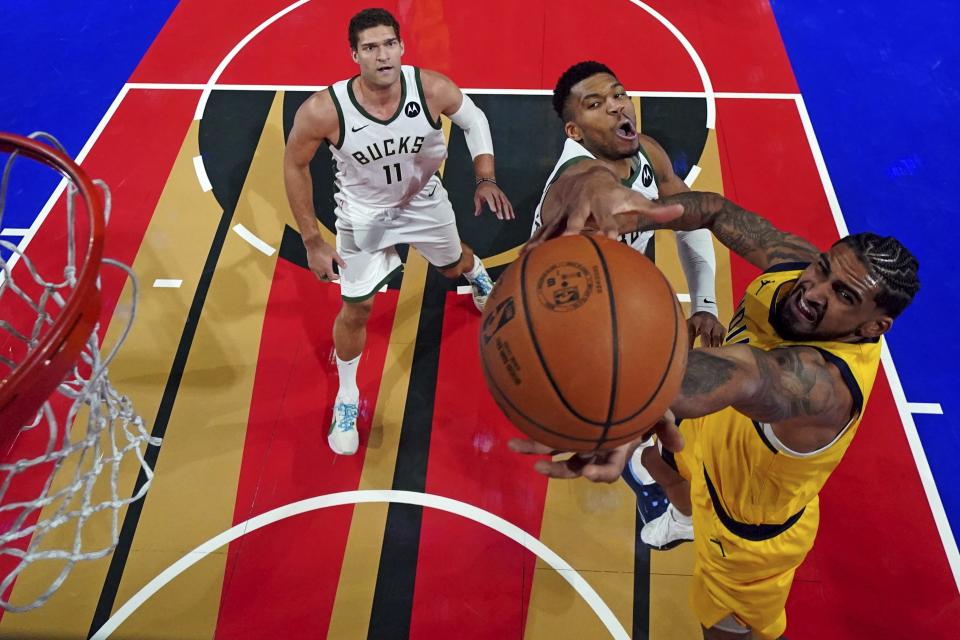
(765, 418)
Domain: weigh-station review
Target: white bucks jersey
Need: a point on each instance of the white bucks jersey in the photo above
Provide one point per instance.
(382, 164)
(642, 180)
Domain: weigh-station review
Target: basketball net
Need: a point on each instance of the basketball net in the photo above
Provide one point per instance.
(60, 466)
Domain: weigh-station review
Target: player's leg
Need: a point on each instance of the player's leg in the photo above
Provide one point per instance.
(432, 229)
(675, 525)
(366, 272)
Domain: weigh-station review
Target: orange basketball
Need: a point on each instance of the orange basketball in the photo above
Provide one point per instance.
(583, 343)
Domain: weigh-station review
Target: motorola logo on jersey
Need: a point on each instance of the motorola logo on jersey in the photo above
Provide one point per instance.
(646, 175)
(389, 147)
(412, 109)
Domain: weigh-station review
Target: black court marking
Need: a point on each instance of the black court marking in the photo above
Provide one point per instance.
(641, 584)
(677, 124)
(392, 608)
(227, 144)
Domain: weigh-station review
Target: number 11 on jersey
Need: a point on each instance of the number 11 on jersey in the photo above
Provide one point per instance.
(396, 169)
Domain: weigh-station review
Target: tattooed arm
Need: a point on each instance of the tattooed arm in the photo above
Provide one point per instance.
(743, 232)
(793, 388)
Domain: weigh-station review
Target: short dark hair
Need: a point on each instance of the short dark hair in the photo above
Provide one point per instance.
(368, 19)
(570, 77)
(892, 263)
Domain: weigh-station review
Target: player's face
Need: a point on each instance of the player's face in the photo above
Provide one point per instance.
(834, 299)
(378, 54)
(604, 120)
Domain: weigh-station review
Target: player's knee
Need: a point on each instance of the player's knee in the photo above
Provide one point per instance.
(355, 314)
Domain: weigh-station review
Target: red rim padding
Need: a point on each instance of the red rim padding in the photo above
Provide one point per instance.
(29, 385)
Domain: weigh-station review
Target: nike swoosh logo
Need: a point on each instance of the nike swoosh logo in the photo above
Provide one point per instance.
(433, 191)
(355, 129)
(709, 301)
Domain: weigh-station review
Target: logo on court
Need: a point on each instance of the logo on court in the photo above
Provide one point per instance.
(646, 175)
(412, 109)
(565, 286)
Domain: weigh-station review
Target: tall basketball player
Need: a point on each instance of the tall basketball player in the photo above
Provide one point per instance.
(383, 128)
(601, 125)
(767, 417)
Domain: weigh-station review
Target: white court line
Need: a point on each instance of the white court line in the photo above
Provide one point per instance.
(181, 86)
(441, 503)
(903, 407)
(201, 172)
(12, 231)
(927, 408)
(45, 211)
(256, 242)
(692, 176)
(161, 283)
(464, 289)
(198, 114)
(683, 297)
(697, 61)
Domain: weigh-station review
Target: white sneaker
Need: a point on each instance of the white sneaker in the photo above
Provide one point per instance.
(667, 531)
(480, 287)
(343, 437)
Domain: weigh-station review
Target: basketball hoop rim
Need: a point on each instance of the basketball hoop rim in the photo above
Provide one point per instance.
(24, 390)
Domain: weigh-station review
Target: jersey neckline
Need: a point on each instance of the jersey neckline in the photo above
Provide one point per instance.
(368, 116)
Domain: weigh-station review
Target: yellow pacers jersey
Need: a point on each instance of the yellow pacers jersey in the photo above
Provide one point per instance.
(757, 479)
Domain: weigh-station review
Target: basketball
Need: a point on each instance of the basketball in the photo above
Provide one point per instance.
(583, 343)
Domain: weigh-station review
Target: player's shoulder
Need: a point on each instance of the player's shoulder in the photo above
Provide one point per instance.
(319, 114)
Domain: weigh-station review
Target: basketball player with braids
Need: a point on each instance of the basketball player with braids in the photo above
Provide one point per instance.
(765, 418)
(383, 128)
(601, 126)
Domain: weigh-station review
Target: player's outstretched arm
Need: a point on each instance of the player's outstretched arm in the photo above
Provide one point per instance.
(745, 233)
(589, 196)
(793, 388)
(316, 121)
(443, 96)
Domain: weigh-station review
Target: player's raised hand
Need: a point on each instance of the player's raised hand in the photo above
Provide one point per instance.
(600, 466)
(488, 193)
(595, 201)
(320, 258)
(705, 325)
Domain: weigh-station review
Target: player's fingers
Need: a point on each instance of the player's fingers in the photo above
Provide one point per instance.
(668, 433)
(509, 214)
(693, 330)
(556, 469)
(492, 203)
(528, 446)
(477, 204)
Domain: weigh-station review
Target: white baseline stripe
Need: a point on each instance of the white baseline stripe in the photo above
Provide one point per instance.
(11, 231)
(692, 176)
(201, 172)
(449, 505)
(727, 95)
(928, 408)
(903, 408)
(45, 211)
(257, 243)
(683, 297)
(236, 49)
(161, 283)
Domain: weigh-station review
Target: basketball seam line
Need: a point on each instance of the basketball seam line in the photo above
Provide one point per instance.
(615, 343)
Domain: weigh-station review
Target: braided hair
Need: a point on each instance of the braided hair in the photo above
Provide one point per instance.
(890, 262)
(570, 77)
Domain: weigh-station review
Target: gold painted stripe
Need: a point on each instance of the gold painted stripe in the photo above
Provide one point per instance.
(199, 466)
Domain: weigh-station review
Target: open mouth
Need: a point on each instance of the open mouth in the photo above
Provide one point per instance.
(383, 69)
(805, 310)
(625, 130)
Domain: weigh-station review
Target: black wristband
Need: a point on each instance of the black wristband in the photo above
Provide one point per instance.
(479, 180)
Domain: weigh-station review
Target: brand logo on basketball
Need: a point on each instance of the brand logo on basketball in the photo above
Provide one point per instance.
(565, 286)
(503, 314)
(412, 109)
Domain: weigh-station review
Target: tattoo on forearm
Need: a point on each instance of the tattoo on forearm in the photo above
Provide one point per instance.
(793, 388)
(743, 232)
(705, 374)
